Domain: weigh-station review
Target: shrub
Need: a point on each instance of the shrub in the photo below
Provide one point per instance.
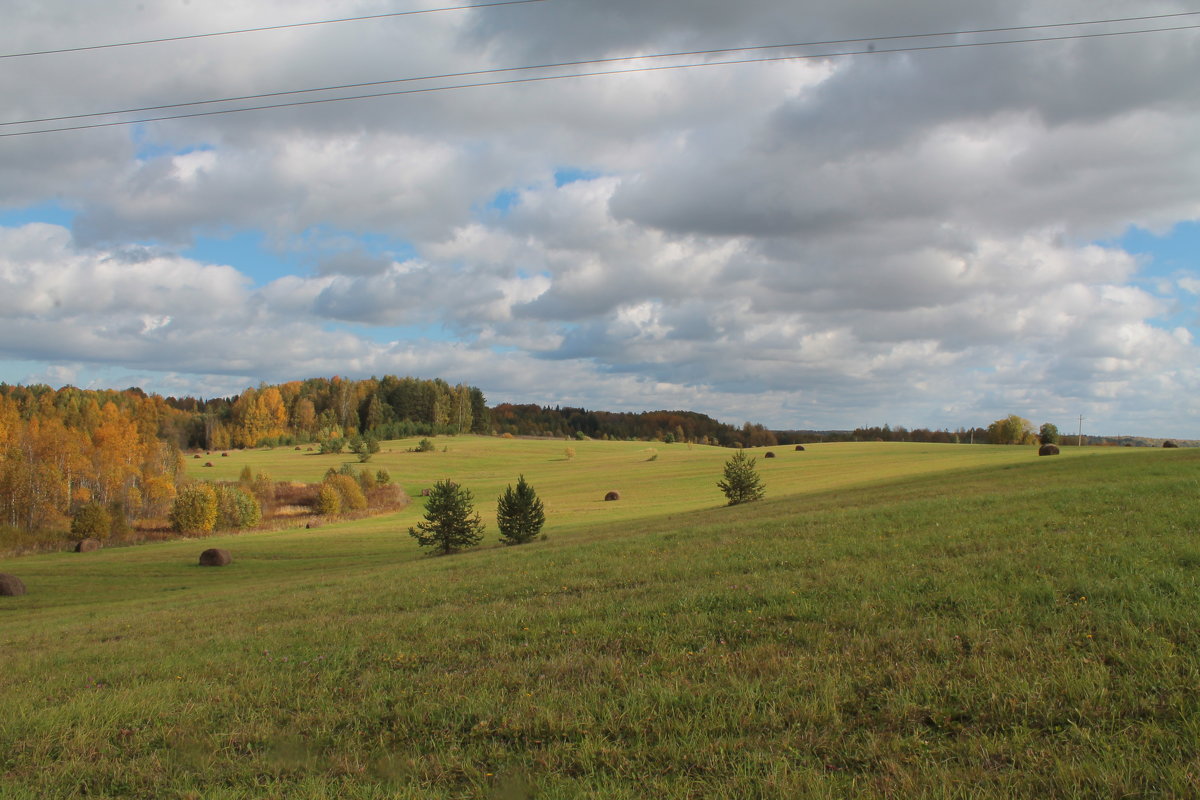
(519, 513)
(334, 444)
(194, 509)
(263, 488)
(424, 446)
(389, 497)
(329, 500)
(92, 520)
(382, 477)
(351, 494)
(236, 508)
(364, 447)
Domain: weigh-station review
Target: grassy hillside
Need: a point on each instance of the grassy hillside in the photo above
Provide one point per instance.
(894, 620)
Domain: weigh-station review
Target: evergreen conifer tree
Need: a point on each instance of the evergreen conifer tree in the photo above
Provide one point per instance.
(741, 484)
(450, 522)
(519, 513)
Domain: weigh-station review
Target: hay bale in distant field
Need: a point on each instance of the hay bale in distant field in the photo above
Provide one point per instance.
(425, 492)
(11, 585)
(196, 456)
(215, 557)
(87, 545)
(297, 447)
(612, 496)
(208, 463)
(768, 454)
(799, 448)
(224, 455)
(1048, 450)
(1169, 443)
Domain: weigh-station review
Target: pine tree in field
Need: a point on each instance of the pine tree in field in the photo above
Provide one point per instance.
(450, 522)
(741, 484)
(519, 513)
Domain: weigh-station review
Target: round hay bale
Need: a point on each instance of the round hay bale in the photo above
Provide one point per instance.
(224, 455)
(196, 456)
(215, 557)
(425, 492)
(87, 545)
(768, 454)
(297, 447)
(1169, 443)
(799, 448)
(11, 585)
(208, 463)
(612, 496)
(1048, 450)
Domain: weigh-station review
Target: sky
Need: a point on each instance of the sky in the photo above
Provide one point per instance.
(847, 234)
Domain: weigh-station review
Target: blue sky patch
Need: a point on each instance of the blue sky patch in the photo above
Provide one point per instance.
(248, 252)
(504, 200)
(145, 149)
(1175, 251)
(1167, 257)
(565, 175)
(51, 213)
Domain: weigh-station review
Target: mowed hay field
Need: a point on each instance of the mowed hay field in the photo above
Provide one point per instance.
(652, 479)
(893, 620)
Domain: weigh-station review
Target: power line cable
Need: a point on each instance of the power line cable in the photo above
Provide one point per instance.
(565, 64)
(600, 73)
(263, 28)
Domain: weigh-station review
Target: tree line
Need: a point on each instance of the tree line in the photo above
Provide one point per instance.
(663, 426)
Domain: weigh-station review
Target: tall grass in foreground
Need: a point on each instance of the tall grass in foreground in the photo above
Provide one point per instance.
(1021, 630)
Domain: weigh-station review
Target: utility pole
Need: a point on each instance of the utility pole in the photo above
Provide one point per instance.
(1080, 442)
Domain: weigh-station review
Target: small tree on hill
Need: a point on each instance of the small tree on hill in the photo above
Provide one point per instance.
(741, 484)
(364, 447)
(519, 513)
(1049, 433)
(450, 522)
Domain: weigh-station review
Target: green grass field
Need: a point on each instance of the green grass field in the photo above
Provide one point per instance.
(894, 620)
